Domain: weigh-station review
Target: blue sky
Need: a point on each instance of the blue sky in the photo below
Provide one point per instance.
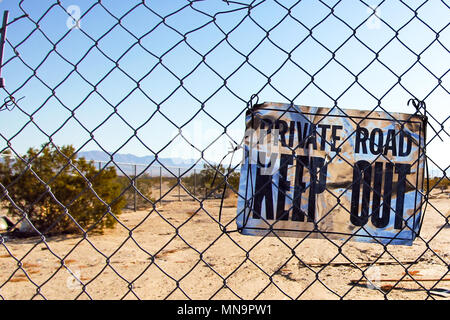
(203, 60)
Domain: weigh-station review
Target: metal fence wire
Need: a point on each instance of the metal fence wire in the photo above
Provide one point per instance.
(120, 77)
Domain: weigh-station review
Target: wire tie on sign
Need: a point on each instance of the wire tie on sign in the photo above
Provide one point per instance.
(418, 104)
(232, 152)
(250, 103)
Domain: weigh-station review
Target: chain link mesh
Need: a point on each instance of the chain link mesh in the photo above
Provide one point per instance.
(110, 76)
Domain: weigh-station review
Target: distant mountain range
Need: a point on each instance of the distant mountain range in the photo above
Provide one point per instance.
(145, 160)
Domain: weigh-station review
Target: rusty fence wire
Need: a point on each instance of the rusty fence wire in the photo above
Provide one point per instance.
(170, 79)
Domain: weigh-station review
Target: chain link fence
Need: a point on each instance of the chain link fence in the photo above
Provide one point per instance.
(161, 181)
(171, 79)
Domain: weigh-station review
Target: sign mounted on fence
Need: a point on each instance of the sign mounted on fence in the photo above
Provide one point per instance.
(320, 172)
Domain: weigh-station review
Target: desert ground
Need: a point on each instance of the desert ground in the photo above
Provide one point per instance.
(179, 252)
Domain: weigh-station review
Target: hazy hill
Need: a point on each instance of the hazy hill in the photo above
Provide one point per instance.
(133, 159)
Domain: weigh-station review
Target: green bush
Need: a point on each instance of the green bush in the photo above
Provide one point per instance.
(47, 211)
(439, 183)
(144, 185)
(205, 183)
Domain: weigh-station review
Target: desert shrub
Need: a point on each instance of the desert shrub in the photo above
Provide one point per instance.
(439, 183)
(205, 183)
(144, 185)
(46, 208)
(170, 181)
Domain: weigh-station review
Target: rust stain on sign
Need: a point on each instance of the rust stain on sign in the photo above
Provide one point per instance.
(310, 171)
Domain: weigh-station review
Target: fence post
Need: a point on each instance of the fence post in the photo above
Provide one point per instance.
(160, 184)
(195, 182)
(179, 184)
(2, 44)
(135, 186)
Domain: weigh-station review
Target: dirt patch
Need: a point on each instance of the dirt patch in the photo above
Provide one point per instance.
(197, 256)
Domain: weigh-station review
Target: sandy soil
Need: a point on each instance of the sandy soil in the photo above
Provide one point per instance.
(179, 251)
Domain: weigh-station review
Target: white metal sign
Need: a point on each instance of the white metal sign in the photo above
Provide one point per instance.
(315, 172)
